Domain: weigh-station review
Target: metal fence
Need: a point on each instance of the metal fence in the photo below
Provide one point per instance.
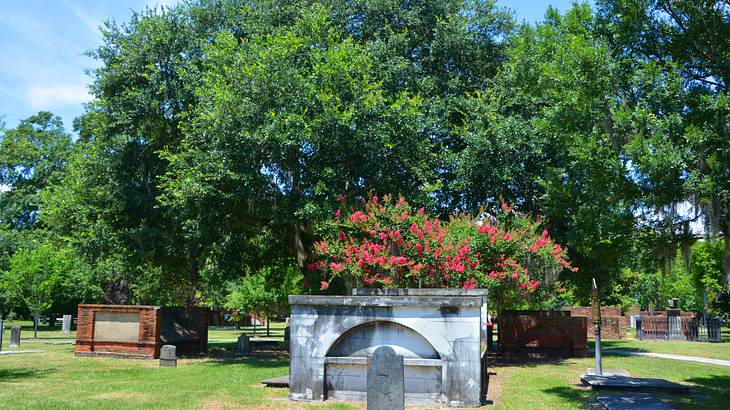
(679, 328)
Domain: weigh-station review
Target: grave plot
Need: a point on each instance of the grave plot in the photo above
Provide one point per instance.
(140, 331)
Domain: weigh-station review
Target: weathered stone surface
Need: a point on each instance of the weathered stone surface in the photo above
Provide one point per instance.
(244, 345)
(385, 382)
(168, 356)
(441, 338)
(116, 326)
(632, 383)
(66, 324)
(15, 336)
(632, 401)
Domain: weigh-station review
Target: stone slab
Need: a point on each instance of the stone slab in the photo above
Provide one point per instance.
(632, 383)
(116, 326)
(419, 292)
(61, 342)
(21, 351)
(610, 372)
(632, 401)
(281, 381)
(438, 301)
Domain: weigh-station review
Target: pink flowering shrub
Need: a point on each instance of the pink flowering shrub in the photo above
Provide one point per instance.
(385, 243)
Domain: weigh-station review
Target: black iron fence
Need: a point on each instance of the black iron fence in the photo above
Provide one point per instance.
(679, 328)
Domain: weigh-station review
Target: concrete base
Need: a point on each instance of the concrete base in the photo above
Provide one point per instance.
(609, 372)
(632, 383)
(281, 381)
(632, 401)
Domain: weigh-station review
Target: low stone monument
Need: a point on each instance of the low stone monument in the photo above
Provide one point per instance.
(244, 345)
(386, 380)
(66, 324)
(15, 336)
(168, 358)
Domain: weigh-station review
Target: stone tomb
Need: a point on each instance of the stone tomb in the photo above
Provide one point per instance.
(440, 333)
(140, 331)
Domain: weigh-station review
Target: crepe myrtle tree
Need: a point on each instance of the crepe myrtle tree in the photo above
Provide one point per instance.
(384, 243)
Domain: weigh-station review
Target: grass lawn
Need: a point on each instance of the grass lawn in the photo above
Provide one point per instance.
(701, 349)
(57, 379)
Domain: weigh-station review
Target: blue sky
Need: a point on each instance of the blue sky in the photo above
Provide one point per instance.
(42, 45)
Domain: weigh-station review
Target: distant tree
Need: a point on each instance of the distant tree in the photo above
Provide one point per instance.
(44, 275)
(265, 292)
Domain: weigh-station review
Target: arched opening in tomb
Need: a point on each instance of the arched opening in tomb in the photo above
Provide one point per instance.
(347, 360)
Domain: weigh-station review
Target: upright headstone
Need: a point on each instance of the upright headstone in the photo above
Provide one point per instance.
(66, 324)
(168, 357)
(15, 336)
(287, 334)
(386, 380)
(244, 345)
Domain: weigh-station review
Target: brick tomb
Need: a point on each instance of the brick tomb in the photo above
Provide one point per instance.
(139, 331)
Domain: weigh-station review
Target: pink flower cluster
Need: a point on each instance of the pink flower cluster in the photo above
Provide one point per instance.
(382, 243)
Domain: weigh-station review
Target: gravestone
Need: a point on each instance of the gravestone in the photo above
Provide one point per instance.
(244, 345)
(168, 357)
(386, 385)
(15, 336)
(66, 324)
(287, 335)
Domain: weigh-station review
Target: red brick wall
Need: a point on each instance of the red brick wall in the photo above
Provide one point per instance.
(613, 323)
(542, 333)
(148, 345)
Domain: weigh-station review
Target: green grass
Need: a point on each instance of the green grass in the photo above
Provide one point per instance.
(700, 349)
(57, 379)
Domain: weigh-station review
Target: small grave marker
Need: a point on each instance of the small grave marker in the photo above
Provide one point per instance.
(244, 345)
(66, 324)
(15, 336)
(386, 385)
(168, 357)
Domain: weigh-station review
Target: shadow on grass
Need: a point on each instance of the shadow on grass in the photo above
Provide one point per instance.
(569, 393)
(16, 374)
(496, 361)
(718, 386)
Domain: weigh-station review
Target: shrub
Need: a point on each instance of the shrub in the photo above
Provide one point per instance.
(387, 244)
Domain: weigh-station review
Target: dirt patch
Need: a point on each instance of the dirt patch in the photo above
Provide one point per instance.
(119, 395)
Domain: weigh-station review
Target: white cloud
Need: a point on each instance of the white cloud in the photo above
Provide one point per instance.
(92, 21)
(46, 97)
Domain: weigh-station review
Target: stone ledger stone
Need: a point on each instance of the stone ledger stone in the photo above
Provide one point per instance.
(244, 345)
(15, 336)
(168, 358)
(386, 380)
(66, 324)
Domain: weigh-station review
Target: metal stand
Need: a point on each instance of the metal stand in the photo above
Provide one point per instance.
(599, 363)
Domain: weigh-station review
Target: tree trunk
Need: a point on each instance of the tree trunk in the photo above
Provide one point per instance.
(268, 327)
(726, 262)
(35, 325)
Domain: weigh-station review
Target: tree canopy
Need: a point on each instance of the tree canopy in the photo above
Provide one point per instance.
(222, 132)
